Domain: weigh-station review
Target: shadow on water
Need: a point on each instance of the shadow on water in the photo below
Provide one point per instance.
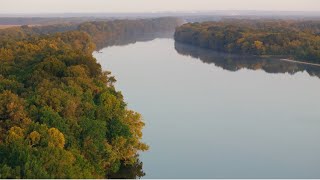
(232, 62)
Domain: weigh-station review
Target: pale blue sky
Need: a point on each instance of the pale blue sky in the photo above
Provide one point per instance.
(54, 6)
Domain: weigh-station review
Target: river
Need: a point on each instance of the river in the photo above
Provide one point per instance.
(210, 115)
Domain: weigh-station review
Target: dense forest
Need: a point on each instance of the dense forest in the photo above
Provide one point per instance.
(60, 115)
(235, 62)
(294, 39)
(101, 32)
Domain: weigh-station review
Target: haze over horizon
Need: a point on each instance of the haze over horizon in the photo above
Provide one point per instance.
(140, 6)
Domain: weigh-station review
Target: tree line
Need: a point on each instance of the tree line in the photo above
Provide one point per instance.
(294, 39)
(101, 32)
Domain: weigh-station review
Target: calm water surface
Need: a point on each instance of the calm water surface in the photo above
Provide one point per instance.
(213, 116)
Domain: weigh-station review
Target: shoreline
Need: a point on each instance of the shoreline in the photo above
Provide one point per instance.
(300, 62)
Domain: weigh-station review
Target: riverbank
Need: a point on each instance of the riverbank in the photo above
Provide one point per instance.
(300, 62)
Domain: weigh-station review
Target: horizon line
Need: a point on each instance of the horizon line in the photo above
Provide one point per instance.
(154, 12)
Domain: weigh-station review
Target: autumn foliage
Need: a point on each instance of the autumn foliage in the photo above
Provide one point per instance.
(60, 115)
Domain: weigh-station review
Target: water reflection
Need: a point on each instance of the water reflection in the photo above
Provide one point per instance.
(126, 39)
(134, 171)
(233, 62)
(205, 122)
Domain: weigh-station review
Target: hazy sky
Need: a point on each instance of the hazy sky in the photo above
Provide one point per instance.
(53, 6)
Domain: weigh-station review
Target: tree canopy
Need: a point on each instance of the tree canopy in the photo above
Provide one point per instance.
(299, 40)
(60, 115)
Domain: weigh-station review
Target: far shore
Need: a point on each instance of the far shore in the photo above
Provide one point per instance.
(2, 26)
(8, 26)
